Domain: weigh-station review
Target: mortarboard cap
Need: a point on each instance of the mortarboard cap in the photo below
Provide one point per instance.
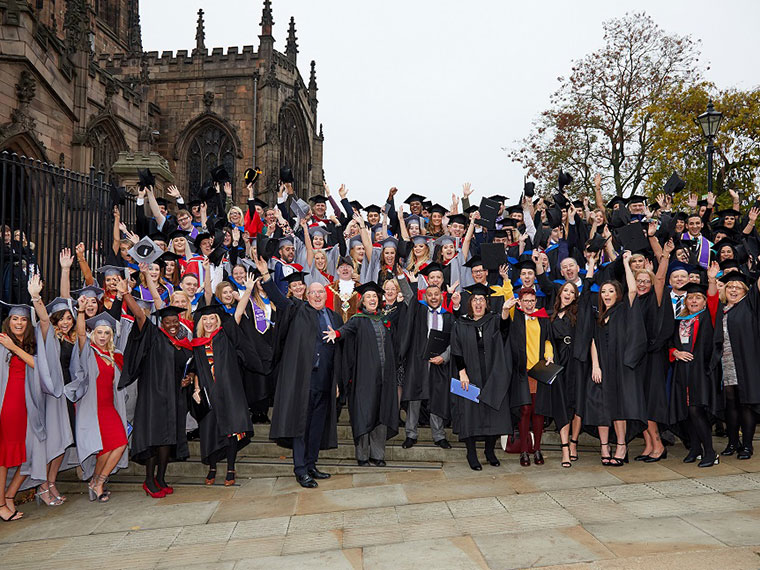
(529, 189)
(564, 179)
(251, 175)
(318, 230)
(373, 208)
(169, 311)
(478, 289)
(525, 264)
(729, 212)
(219, 174)
(636, 199)
(494, 255)
(213, 309)
(318, 199)
(695, 288)
(437, 209)
(88, 291)
(344, 260)
(108, 270)
(498, 198)
(118, 196)
(162, 202)
(146, 178)
(596, 243)
(633, 237)
(615, 201)
(430, 267)
(286, 174)
(354, 241)
(145, 251)
(515, 209)
(370, 286)
(458, 219)
(60, 304)
(489, 210)
(736, 276)
(296, 276)
(103, 319)
(260, 203)
(419, 239)
(674, 184)
(414, 198)
(18, 310)
(390, 241)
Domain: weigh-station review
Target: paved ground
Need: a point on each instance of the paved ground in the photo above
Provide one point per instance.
(663, 515)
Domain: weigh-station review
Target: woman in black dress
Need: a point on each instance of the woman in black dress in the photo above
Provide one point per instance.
(616, 394)
(570, 327)
(482, 358)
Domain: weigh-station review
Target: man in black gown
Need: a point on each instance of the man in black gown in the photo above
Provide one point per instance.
(304, 416)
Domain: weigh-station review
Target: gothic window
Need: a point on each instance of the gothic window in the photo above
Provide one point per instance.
(294, 149)
(108, 11)
(209, 147)
(105, 150)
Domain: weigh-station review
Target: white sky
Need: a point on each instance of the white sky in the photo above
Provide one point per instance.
(423, 94)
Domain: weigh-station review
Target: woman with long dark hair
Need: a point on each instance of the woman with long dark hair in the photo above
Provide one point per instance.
(24, 381)
(616, 394)
(570, 328)
(482, 359)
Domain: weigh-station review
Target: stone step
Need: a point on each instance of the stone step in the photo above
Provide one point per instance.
(261, 433)
(192, 471)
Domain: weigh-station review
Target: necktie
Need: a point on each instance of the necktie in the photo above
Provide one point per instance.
(435, 320)
(679, 304)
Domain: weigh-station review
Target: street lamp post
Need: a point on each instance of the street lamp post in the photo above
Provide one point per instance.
(709, 121)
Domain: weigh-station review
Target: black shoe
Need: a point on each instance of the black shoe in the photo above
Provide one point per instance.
(443, 443)
(475, 465)
(193, 434)
(653, 459)
(744, 453)
(306, 481)
(317, 474)
(363, 463)
(710, 461)
(538, 457)
(641, 457)
(492, 460)
(730, 449)
(377, 462)
(408, 442)
(692, 457)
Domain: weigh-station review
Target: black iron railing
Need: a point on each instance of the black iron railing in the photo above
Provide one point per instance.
(44, 208)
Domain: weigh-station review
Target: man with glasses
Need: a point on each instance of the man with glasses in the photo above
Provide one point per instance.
(304, 415)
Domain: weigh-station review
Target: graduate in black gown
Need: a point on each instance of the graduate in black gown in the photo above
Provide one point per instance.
(158, 361)
(615, 394)
(571, 325)
(695, 350)
(739, 323)
(426, 378)
(304, 416)
(220, 351)
(371, 379)
(481, 356)
(394, 309)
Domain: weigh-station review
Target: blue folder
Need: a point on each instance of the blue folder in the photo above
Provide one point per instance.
(471, 394)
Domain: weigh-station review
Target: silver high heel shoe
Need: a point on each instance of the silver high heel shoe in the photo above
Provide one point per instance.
(50, 502)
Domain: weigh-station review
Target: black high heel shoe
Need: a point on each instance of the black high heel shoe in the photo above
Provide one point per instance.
(731, 448)
(617, 461)
(492, 459)
(692, 457)
(474, 463)
(575, 443)
(710, 461)
(606, 459)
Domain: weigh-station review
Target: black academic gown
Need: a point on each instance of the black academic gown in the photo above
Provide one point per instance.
(482, 347)
(372, 393)
(658, 321)
(697, 383)
(228, 412)
(519, 390)
(158, 366)
(423, 380)
(621, 344)
(744, 332)
(259, 385)
(297, 328)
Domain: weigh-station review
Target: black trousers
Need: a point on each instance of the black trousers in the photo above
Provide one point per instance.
(306, 448)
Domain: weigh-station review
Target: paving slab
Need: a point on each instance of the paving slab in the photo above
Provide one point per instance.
(521, 550)
(158, 516)
(347, 499)
(475, 507)
(654, 535)
(733, 528)
(334, 559)
(261, 528)
(198, 534)
(443, 553)
(257, 508)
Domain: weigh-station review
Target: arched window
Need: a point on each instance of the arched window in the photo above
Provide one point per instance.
(294, 148)
(209, 147)
(106, 142)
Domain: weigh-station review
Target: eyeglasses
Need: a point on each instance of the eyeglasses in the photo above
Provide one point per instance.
(734, 287)
(644, 281)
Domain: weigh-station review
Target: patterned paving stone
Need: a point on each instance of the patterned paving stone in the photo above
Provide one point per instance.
(197, 534)
(274, 526)
(312, 541)
(475, 507)
(444, 553)
(310, 523)
(680, 488)
(734, 528)
(528, 502)
(725, 483)
(567, 497)
(630, 492)
(371, 517)
(371, 535)
(423, 512)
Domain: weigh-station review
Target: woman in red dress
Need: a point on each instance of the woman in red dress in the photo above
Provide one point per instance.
(98, 358)
(18, 341)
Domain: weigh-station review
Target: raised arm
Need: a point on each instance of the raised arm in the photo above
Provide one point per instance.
(468, 236)
(116, 243)
(81, 326)
(307, 242)
(242, 303)
(66, 260)
(281, 302)
(84, 267)
(153, 206)
(630, 280)
(662, 270)
(35, 289)
(132, 305)
(208, 294)
(402, 223)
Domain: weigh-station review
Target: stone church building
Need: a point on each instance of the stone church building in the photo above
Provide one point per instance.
(77, 90)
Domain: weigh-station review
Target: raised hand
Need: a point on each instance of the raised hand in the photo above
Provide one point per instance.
(597, 181)
(453, 287)
(34, 286)
(236, 235)
(327, 189)
(65, 258)
(710, 199)
(261, 265)
(753, 213)
(669, 246)
(116, 213)
(80, 249)
(467, 189)
(713, 270)
(7, 342)
(343, 191)
(329, 335)
(228, 189)
(173, 192)
(81, 303)
(392, 192)
(122, 287)
(692, 202)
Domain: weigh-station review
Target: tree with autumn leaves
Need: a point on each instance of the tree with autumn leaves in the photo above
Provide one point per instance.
(627, 110)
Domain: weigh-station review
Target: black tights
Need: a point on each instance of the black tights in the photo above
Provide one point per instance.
(155, 467)
(232, 449)
(472, 454)
(739, 415)
(700, 432)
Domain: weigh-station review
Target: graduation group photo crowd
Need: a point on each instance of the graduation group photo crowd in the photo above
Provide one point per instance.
(633, 319)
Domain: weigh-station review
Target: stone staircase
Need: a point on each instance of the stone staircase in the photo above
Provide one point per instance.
(263, 458)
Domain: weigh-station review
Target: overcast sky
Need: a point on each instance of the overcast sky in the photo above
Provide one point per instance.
(424, 94)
